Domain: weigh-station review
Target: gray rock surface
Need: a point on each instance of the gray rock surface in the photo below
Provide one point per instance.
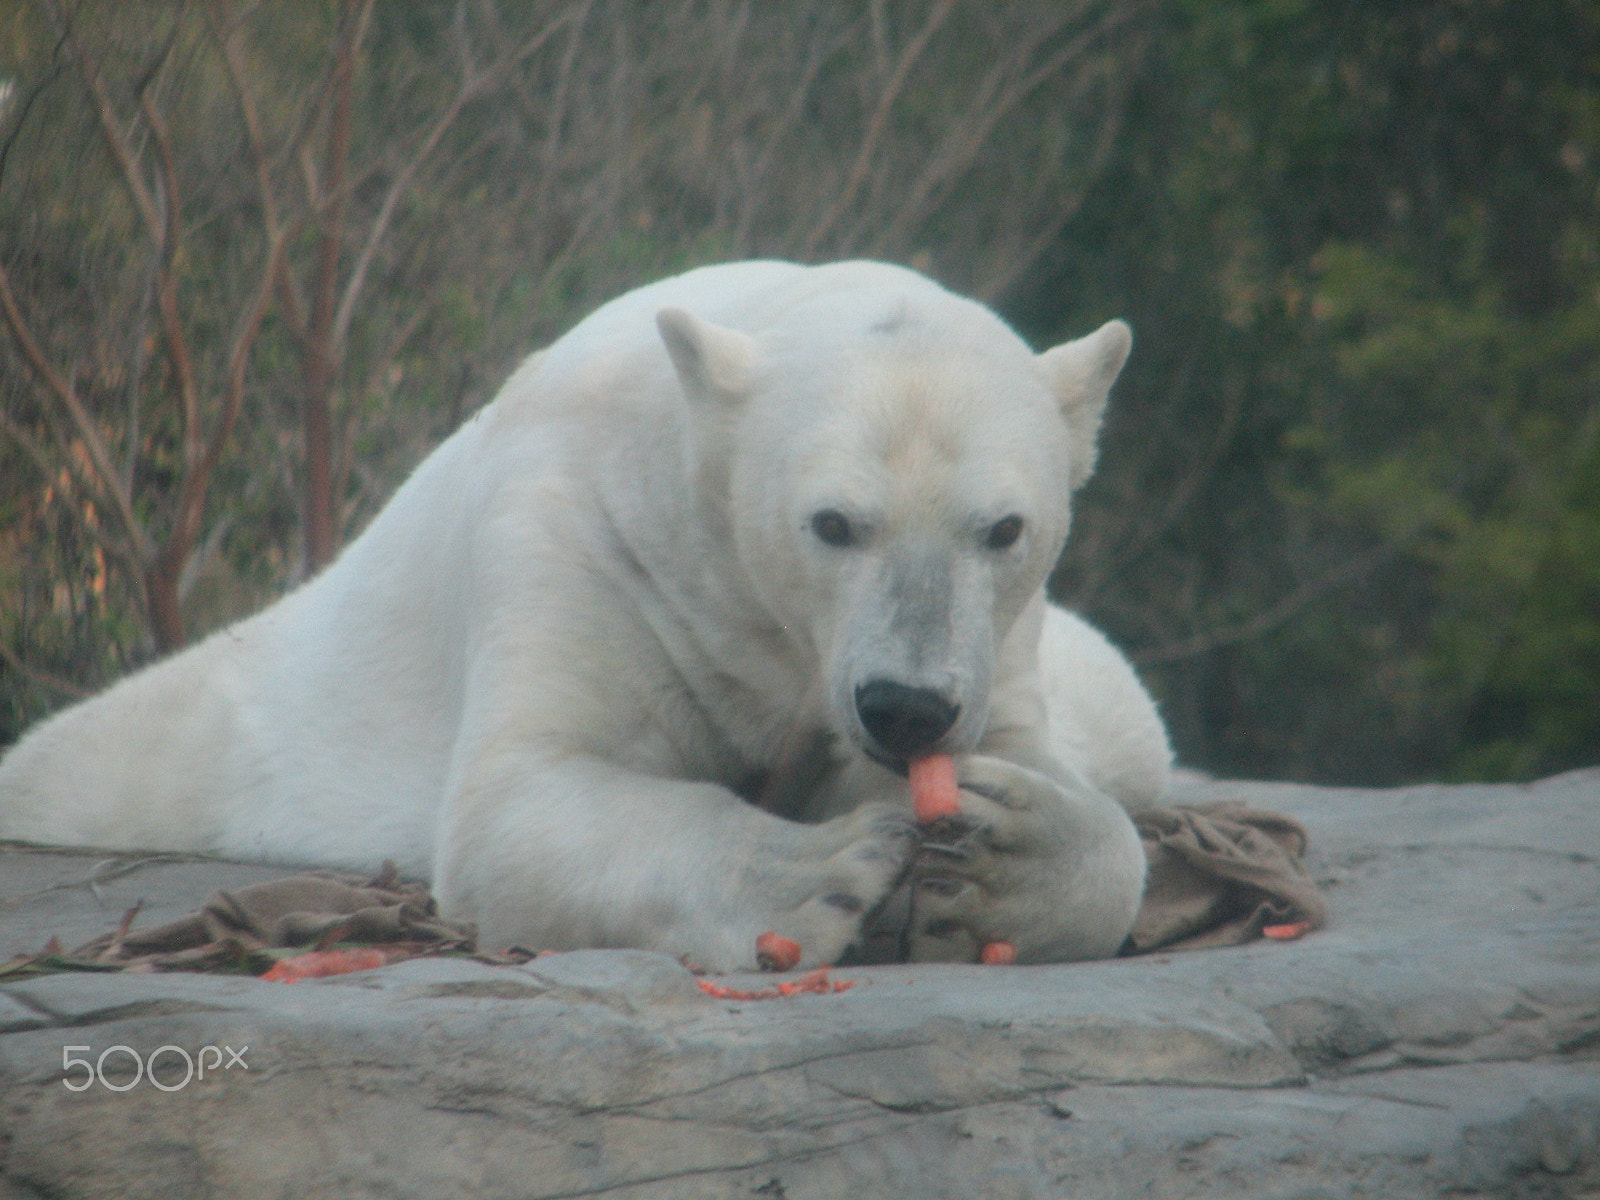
(1440, 1038)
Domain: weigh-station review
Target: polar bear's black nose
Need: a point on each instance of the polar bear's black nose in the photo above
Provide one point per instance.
(905, 721)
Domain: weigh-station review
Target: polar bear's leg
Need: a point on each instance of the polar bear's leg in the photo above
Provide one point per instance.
(579, 852)
(148, 764)
(1102, 720)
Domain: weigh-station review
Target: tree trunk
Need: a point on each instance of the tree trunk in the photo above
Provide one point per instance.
(161, 598)
(320, 526)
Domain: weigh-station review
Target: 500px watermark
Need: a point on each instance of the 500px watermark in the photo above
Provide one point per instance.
(169, 1058)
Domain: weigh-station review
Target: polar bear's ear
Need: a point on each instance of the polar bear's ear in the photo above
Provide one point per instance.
(1081, 373)
(710, 360)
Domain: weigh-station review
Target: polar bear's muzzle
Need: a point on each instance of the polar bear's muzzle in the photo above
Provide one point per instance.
(904, 722)
(913, 651)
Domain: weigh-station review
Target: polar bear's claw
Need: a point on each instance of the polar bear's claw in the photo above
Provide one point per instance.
(819, 886)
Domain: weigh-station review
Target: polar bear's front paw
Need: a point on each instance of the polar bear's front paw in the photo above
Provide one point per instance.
(843, 870)
(1056, 871)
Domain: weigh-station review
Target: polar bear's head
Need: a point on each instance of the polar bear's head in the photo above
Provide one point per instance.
(894, 469)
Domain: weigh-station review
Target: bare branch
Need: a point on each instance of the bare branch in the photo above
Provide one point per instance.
(777, 134)
(23, 109)
(60, 388)
(1017, 263)
(116, 143)
(320, 351)
(172, 330)
(473, 85)
(336, 161)
(69, 464)
(197, 481)
(1179, 497)
(876, 125)
(43, 678)
(30, 445)
(1276, 614)
(1004, 87)
(225, 32)
(557, 106)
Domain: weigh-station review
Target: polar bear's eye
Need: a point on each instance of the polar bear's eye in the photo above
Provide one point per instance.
(1003, 534)
(833, 528)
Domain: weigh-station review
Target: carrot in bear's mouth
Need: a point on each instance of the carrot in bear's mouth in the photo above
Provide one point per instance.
(934, 790)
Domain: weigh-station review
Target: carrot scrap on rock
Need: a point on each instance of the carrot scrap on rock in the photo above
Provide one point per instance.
(315, 964)
(997, 954)
(1287, 933)
(774, 952)
(935, 793)
(812, 981)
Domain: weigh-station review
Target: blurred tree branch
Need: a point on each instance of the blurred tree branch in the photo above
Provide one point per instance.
(159, 558)
(274, 252)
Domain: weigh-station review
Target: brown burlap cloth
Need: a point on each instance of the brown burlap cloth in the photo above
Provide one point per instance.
(1219, 874)
(236, 929)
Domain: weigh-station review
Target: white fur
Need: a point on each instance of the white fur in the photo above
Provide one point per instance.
(602, 605)
(1100, 714)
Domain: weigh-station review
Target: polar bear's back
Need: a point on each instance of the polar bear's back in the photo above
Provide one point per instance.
(747, 296)
(134, 767)
(1101, 717)
(246, 743)
(614, 360)
(751, 295)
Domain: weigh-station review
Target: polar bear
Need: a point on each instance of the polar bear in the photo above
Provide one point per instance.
(639, 656)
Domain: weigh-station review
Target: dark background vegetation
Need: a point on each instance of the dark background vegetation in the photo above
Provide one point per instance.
(257, 258)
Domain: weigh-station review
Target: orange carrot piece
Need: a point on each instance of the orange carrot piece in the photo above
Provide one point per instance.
(1287, 933)
(812, 981)
(934, 790)
(315, 964)
(998, 954)
(774, 952)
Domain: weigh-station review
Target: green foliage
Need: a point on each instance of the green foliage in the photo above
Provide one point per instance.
(1465, 433)
(1369, 231)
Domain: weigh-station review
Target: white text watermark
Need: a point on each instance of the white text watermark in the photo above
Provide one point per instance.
(167, 1068)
